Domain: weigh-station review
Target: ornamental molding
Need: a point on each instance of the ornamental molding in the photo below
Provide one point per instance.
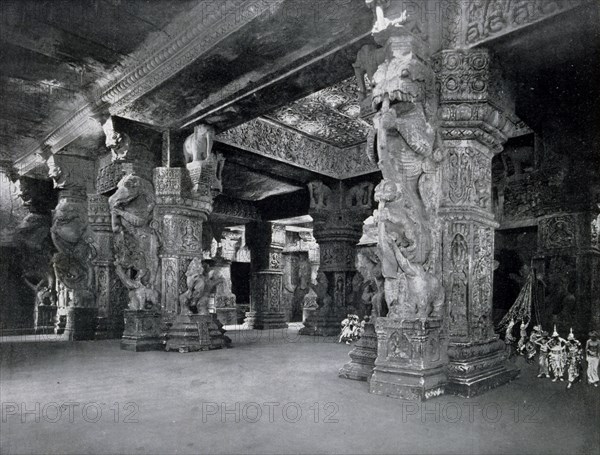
(267, 138)
(156, 68)
(488, 19)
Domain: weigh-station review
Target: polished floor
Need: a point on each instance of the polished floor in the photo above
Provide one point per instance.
(274, 392)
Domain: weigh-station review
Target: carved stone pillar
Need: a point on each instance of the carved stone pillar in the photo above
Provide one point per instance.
(338, 214)
(266, 242)
(221, 265)
(74, 242)
(412, 338)
(474, 128)
(111, 296)
(184, 200)
(33, 241)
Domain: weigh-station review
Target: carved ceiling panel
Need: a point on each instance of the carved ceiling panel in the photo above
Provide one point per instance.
(330, 115)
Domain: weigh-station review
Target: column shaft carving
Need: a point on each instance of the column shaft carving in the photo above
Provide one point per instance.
(474, 128)
(74, 242)
(266, 242)
(338, 212)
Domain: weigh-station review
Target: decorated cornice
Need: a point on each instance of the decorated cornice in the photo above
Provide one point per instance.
(267, 138)
(488, 19)
(156, 68)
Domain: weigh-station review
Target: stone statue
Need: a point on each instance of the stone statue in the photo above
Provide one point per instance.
(423, 294)
(136, 242)
(72, 262)
(405, 145)
(197, 147)
(320, 195)
(322, 290)
(368, 265)
(201, 284)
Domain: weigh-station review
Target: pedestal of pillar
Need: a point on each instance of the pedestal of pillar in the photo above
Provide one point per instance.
(318, 324)
(195, 332)
(360, 367)
(45, 318)
(265, 320)
(411, 360)
(476, 367)
(142, 331)
(81, 323)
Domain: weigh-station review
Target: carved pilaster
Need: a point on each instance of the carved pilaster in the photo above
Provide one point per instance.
(474, 125)
(266, 242)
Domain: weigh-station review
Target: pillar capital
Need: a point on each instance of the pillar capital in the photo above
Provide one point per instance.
(476, 103)
(72, 175)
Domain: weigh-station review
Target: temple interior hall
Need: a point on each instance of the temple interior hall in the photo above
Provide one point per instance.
(299, 226)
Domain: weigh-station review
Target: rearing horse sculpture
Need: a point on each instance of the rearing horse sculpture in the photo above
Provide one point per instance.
(136, 242)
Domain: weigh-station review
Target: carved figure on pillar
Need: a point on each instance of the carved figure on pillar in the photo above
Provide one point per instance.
(136, 242)
(205, 167)
(201, 284)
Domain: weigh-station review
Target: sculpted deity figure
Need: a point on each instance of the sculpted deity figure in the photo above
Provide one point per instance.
(136, 242)
(201, 284)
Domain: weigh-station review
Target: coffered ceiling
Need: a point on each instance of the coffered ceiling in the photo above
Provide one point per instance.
(331, 115)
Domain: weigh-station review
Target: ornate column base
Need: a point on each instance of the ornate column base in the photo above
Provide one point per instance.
(363, 356)
(265, 321)
(477, 367)
(322, 325)
(46, 315)
(142, 330)
(81, 324)
(411, 360)
(195, 332)
(227, 316)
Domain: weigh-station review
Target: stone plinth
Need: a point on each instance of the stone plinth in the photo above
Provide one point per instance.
(478, 367)
(265, 320)
(360, 367)
(81, 323)
(195, 332)
(317, 324)
(142, 331)
(412, 358)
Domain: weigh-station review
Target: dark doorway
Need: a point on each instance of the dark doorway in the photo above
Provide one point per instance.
(240, 286)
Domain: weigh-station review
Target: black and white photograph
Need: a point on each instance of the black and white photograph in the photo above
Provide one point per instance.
(262, 227)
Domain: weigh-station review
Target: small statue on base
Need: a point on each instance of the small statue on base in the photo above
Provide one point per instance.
(592, 351)
(557, 356)
(573, 353)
